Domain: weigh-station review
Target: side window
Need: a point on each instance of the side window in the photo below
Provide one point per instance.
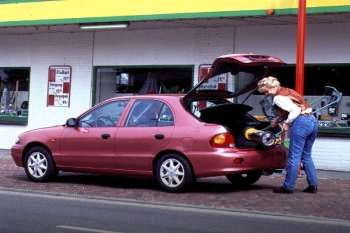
(149, 113)
(166, 117)
(104, 116)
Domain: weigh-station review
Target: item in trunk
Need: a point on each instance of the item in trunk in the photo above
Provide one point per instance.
(265, 138)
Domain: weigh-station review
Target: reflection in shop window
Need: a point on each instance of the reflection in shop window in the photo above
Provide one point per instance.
(327, 90)
(14, 94)
(117, 81)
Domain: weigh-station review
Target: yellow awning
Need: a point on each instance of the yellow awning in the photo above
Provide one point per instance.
(46, 12)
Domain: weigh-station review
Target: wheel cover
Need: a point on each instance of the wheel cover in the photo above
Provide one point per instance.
(172, 173)
(37, 164)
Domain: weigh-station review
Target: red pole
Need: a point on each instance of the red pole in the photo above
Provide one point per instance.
(299, 77)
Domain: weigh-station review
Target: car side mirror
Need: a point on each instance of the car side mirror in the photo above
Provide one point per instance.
(71, 122)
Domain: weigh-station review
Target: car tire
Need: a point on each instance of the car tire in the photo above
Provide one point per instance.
(39, 165)
(174, 173)
(244, 179)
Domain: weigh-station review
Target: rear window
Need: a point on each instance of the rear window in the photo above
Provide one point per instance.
(197, 106)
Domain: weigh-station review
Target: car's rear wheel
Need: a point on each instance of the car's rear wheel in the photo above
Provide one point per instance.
(39, 165)
(174, 173)
(244, 179)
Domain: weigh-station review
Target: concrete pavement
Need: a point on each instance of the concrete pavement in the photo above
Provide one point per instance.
(332, 201)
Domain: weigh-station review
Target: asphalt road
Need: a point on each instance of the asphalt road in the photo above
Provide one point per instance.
(37, 212)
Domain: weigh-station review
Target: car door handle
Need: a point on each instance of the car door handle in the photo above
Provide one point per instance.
(159, 136)
(105, 136)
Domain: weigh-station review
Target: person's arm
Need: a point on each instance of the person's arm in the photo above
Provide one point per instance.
(288, 105)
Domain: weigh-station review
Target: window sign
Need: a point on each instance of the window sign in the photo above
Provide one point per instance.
(218, 82)
(59, 83)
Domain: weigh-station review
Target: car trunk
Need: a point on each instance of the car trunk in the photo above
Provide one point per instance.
(248, 69)
(236, 118)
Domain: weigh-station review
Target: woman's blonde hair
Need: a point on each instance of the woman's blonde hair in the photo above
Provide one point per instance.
(267, 83)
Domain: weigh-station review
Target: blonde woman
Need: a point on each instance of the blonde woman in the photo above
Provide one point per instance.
(296, 115)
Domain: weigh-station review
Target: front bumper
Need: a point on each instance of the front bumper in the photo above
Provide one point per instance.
(16, 153)
(230, 161)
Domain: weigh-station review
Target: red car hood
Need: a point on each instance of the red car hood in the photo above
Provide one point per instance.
(40, 131)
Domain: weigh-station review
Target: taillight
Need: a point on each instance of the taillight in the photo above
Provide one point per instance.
(222, 140)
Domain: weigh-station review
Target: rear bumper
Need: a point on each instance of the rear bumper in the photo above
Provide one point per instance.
(16, 153)
(224, 162)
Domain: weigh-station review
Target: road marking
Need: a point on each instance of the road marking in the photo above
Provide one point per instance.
(180, 207)
(85, 229)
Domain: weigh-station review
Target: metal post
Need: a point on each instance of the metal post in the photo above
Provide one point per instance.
(299, 77)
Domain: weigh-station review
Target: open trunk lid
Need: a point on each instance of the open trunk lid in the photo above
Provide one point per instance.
(234, 63)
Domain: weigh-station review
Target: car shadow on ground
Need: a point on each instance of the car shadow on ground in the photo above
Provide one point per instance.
(203, 185)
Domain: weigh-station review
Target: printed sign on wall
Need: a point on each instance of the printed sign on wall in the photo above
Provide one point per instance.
(59, 83)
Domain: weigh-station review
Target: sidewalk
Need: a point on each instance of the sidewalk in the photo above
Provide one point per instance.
(332, 200)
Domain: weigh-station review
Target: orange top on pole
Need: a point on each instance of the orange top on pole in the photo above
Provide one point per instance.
(299, 77)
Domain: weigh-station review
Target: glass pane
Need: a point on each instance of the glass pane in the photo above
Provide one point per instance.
(118, 81)
(14, 96)
(105, 116)
(145, 113)
(166, 117)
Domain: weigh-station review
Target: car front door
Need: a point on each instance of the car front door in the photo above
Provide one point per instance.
(91, 145)
(148, 130)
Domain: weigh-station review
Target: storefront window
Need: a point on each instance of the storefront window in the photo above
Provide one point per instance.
(117, 81)
(14, 94)
(327, 89)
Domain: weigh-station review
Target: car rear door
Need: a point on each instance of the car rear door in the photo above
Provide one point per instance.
(92, 144)
(147, 130)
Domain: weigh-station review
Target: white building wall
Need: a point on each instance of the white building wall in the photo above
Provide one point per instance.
(38, 52)
(325, 43)
(162, 47)
(332, 153)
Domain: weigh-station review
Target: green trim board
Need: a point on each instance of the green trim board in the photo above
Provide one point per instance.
(200, 15)
(23, 1)
(13, 120)
(334, 132)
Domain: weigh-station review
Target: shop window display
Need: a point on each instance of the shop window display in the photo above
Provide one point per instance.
(14, 94)
(116, 81)
(326, 88)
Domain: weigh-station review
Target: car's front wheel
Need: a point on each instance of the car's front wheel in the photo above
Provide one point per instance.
(39, 165)
(244, 179)
(174, 173)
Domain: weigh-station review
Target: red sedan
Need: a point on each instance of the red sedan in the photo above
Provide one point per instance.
(167, 137)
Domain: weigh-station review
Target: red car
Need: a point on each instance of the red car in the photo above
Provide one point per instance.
(163, 136)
